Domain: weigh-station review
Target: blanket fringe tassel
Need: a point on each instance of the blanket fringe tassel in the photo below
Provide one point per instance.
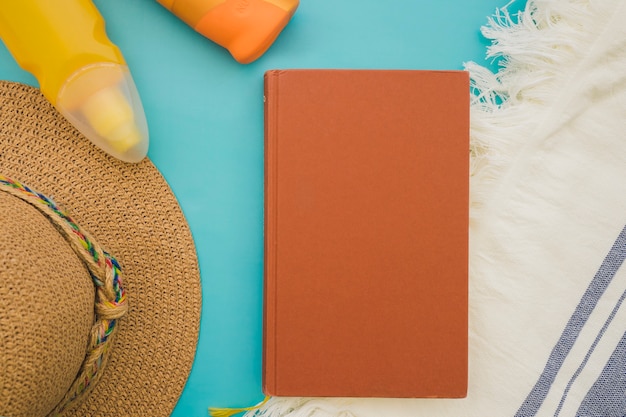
(228, 412)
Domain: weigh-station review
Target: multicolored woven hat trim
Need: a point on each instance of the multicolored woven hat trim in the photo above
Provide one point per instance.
(111, 302)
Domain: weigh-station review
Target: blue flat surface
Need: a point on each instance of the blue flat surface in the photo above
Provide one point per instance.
(205, 114)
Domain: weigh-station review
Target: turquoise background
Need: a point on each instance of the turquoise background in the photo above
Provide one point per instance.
(205, 114)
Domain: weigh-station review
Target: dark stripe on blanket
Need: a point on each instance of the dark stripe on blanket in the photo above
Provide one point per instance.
(598, 285)
(589, 353)
(607, 396)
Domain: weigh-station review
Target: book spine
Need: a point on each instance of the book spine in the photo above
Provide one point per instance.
(269, 284)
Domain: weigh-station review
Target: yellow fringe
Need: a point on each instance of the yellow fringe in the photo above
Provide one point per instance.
(228, 412)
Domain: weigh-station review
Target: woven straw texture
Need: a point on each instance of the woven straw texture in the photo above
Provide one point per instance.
(40, 284)
(132, 213)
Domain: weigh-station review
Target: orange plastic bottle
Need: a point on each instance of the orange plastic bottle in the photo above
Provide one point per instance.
(246, 28)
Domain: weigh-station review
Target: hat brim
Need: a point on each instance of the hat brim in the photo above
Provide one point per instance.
(131, 211)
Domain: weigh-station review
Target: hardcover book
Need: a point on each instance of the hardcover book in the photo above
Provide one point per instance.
(366, 233)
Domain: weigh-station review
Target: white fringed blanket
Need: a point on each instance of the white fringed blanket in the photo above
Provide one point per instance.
(548, 217)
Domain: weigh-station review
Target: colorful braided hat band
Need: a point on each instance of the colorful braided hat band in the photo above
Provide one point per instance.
(111, 303)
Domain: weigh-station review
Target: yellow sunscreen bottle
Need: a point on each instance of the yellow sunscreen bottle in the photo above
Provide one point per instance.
(247, 28)
(63, 43)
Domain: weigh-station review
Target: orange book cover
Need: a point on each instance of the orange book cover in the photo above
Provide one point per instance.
(366, 233)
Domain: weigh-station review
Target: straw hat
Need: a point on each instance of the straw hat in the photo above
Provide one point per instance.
(144, 339)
